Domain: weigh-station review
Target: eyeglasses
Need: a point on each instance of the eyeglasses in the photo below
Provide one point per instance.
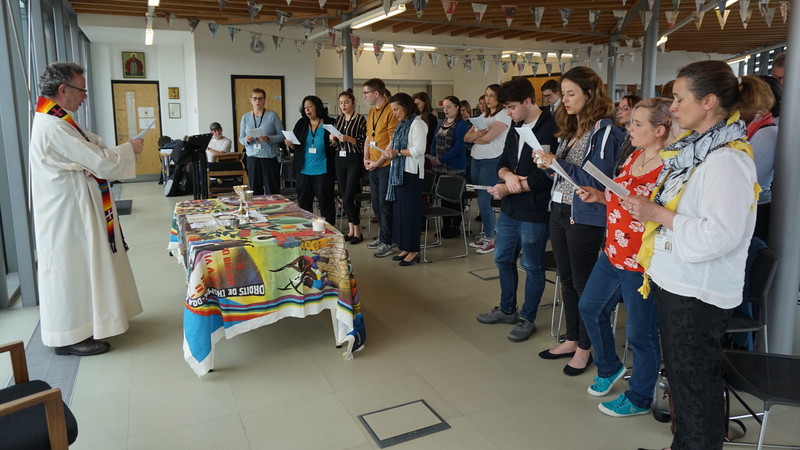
(76, 87)
(368, 92)
(258, 99)
(624, 108)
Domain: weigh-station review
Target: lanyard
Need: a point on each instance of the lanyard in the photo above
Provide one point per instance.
(375, 121)
(314, 132)
(258, 124)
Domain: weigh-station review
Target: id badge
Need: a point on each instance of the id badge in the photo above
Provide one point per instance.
(557, 196)
(257, 146)
(312, 150)
(663, 243)
(372, 143)
(343, 153)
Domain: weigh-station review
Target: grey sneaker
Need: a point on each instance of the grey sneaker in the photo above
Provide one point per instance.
(383, 251)
(522, 331)
(496, 315)
(374, 244)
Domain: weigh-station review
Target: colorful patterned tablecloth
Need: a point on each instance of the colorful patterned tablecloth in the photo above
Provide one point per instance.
(244, 276)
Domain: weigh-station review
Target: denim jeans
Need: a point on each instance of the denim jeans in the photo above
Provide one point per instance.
(608, 285)
(484, 172)
(512, 237)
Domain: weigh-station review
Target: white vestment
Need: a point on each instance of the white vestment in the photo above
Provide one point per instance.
(84, 288)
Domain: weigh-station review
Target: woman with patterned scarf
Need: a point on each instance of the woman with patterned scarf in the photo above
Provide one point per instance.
(698, 225)
(406, 150)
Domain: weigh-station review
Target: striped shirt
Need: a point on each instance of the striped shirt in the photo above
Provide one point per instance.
(355, 127)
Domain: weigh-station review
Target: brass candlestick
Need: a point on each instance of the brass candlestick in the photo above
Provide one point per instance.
(240, 190)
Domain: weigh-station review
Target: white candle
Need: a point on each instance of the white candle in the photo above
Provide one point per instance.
(318, 224)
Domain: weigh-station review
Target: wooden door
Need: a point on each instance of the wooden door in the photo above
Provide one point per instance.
(136, 105)
(537, 82)
(242, 85)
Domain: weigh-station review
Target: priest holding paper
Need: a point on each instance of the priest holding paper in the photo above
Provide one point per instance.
(86, 286)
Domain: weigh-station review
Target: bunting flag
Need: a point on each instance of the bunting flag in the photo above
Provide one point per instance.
(355, 41)
(745, 12)
(283, 17)
(624, 2)
(529, 57)
(633, 57)
(510, 12)
(496, 58)
(645, 16)
(676, 5)
(485, 64)
(589, 52)
(537, 12)
(332, 36)
(721, 6)
(629, 42)
(521, 66)
(232, 32)
(193, 24)
(534, 67)
(449, 7)
(504, 65)
(619, 16)
(398, 53)
(387, 6)
(722, 18)
(255, 44)
(621, 60)
(698, 19)
(562, 66)
(321, 3)
(479, 9)
(414, 57)
(558, 54)
(672, 17)
(600, 62)
(565, 15)
(308, 27)
(784, 7)
(698, 4)
(513, 57)
(467, 60)
(289, 2)
(298, 45)
(450, 60)
(222, 4)
(549, 67)
(594, 14)
(543, 56)
(418, 56)
(318, 46)
(650, 4)
(358, 51)
(277, 40)
(419, 6)
(169, 17)
(434, 58)
(213, 27)
(253, 9)
(769, 16)
(377, 48)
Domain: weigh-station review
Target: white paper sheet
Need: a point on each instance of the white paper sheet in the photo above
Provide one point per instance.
(598, 175)
(562, 173)
(291, 137)
(376, 147)
(429, 156)
(478, 187)
(254, 132)
(479, 123)
(527, 135)
(149, 127)
(332, 129)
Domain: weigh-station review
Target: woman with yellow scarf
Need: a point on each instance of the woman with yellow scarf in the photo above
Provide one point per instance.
(698, 224)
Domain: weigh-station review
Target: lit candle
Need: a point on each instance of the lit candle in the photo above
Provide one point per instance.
(318, 224)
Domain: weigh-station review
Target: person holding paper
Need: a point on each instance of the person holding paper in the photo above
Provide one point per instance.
(588, 133)
(522, 227)
(260, 132)
(617, 276)
(489, 143)
(698, 226)
(380, 126)
(314, 158)
(349, 149)
(450, 156)
(86, 287)
(219, 144)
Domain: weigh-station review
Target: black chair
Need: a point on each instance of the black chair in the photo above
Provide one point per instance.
(449, 188)
(225, 172)
(762, 272)
(288, 183)
(32, 414)
(772, 378)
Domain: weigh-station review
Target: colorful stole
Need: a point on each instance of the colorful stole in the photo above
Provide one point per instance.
(47, 106)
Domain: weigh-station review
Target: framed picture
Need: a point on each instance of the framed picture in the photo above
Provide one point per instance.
(174, 93)
(174, 110)
(133, 65)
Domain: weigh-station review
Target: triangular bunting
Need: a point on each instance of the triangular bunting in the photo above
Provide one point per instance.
(398, 53)
(558, 54)
(520, 67)
(600, 62)
(537, 12)
(594, 14)
(698, 19)
(698, 4)
(434, 58)
(253, 9)
(769, 16)
(562, 66)
(504, 65)
(722, 18)
(450, 60)
(467, 60)
(318, 46)
(419, 6)
(672, 17)
(496, 58)
(633, 57)
(676, 4)
(377, 48)
(232, 33)
(449, 7)
(298, 45)
(277, 40)
(513, 57)
(479, 9)
(745, 12)
(387, 6)
(535, 67)
(721, 6)
(645, 16)
(355, 41)
(485, 64)
(589, 51)
(283, 17)
(565, 15)
(510, 12)
(619, 16)
(549, 67)
(784, 7)
(308, 27)
(222, 4)
(193, 24)
(169, 17)
(213, 27)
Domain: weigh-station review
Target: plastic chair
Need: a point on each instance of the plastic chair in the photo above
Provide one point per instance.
(449, 188)
(32, 414)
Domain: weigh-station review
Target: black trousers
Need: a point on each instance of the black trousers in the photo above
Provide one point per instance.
(690, 338)
(348, 172)
(265, 175)
(408, 213)
(576, 248)
(378, 183)
(321, 187)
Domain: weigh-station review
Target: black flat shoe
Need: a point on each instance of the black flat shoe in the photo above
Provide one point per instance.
(408, 263)
(399, 257)
(86, 347)
(356, 240)
(548, 355)
(573, 372)
(347, 238)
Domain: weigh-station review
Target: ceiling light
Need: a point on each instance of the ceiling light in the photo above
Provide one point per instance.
(662, 40)
(424, 48)
(377, 15)
(148, 36)
(152, 2)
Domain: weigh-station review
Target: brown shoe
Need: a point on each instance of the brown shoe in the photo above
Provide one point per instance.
(87, 347)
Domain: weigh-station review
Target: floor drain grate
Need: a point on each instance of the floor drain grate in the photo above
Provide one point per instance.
(401, 423)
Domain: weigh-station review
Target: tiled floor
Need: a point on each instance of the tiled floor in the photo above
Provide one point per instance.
(287, 387)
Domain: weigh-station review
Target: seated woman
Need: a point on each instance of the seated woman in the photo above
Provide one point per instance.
(314, 159)
(617, 276)
(407, 152)
(450, 156)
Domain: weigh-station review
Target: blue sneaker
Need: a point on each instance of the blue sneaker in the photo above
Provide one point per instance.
(602, 386)
(621, 407)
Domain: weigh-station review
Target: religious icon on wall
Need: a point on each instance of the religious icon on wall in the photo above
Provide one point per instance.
(133, 65)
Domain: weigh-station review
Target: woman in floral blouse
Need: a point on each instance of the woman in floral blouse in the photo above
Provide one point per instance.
(617, 276)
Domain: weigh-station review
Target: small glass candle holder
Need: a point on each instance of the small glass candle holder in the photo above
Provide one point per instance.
(318, 224)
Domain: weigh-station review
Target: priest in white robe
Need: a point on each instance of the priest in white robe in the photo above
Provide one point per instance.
(86, 286)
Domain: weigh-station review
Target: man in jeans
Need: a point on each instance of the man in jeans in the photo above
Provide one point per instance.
(380, 126)
(523, 225)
